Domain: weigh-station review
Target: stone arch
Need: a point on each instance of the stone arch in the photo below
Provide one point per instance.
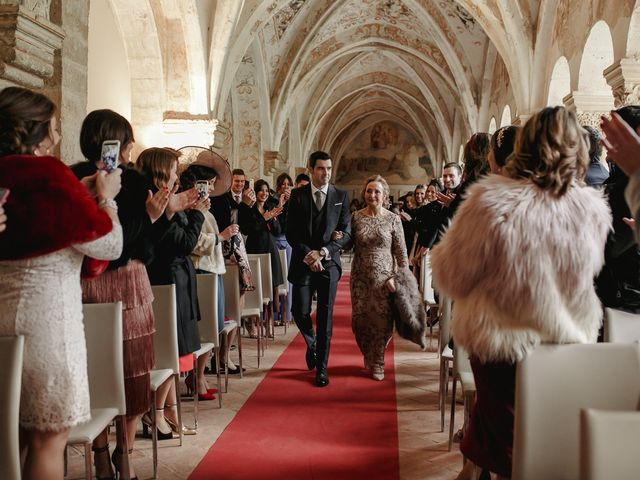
(633, 37)
(506, 116)
(560, 83)
(492, 126)
(596, 57)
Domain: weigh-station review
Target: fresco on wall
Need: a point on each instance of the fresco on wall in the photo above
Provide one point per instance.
(389, 150)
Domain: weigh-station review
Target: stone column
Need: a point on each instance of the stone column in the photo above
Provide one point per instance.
(589, 106)
(28, 43)
(624, 78)
(273, 162)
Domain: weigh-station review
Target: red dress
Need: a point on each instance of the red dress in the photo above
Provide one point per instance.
(488, 441)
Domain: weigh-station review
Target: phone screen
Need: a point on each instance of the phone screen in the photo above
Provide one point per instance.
(109, 155)
(251, 183)
(4, 194)
(202, 186)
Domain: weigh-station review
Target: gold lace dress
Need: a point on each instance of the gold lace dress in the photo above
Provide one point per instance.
(379, 249)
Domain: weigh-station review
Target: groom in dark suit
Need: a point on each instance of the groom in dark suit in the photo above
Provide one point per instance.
(315, 212)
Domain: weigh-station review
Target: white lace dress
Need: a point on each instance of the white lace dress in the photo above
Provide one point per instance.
(41, 299)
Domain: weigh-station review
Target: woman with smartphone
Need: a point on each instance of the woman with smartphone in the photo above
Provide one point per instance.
(106, 141)
(54, 224)
(213, 173)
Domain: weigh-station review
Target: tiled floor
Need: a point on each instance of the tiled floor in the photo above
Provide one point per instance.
(423, 448)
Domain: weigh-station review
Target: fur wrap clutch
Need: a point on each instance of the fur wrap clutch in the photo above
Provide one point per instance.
(410, 316)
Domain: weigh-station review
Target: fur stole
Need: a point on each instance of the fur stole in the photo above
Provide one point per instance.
(519, 264)
(48, 208)
(410, 315)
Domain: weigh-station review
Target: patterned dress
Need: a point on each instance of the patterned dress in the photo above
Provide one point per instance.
(379, 248)
(42, 300)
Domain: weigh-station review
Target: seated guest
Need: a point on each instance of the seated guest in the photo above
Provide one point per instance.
(54, 223)
(499, 263)
(597, 174)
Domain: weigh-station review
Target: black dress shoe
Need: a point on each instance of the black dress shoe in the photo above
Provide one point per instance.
(310, 357)
(322, 379)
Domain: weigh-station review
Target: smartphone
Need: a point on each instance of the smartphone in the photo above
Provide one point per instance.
(202, 186)
(4, 194)
(109, 155)
(251, 183)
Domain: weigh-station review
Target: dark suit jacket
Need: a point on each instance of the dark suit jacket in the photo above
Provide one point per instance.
(221, 209)
(299, 231)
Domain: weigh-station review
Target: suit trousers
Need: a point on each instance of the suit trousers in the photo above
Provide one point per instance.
(320, 339)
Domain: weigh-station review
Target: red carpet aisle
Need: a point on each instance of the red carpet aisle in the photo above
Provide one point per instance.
(290, 429)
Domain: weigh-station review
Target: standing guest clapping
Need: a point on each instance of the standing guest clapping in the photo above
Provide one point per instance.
(54, 224)
(171, 264)
(261, 226)
(510, 263)
(284, 185)
(380, 257)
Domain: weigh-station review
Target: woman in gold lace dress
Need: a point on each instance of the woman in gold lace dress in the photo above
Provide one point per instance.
(379, 252)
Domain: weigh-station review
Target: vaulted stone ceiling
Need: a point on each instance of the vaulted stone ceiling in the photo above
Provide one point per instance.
(342, 66)
(277, 79)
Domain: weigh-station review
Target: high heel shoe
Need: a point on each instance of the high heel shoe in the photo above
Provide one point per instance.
(188, 381)
(185, 430)
(147, 425)
(116, 459)
(96, 452)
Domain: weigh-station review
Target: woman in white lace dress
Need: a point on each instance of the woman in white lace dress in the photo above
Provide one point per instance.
(53, 223)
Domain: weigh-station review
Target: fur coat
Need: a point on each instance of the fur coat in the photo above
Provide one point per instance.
(410, 315)
(519, 264)
(48, 209)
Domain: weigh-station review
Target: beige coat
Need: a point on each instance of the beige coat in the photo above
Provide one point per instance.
(519, 265)
(207, 255)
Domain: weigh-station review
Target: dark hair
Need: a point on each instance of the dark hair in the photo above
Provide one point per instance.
(155, 164)
(302, 177)
(318, 155)
(475, 157)
(238, 171)
(25, 119)
(631, 115)
(435, 183)
(502, 143)
(101, 125)
(595, 147)
(259, 184)
(453, 165)
(281, 178)
(193, 173)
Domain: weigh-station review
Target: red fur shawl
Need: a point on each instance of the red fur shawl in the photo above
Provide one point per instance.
(48, 208)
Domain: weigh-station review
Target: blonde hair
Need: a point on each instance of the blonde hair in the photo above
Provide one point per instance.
(155, 164)
(551, 150)
(381, 181)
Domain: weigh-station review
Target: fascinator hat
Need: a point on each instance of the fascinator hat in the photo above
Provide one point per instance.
(206, 157)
